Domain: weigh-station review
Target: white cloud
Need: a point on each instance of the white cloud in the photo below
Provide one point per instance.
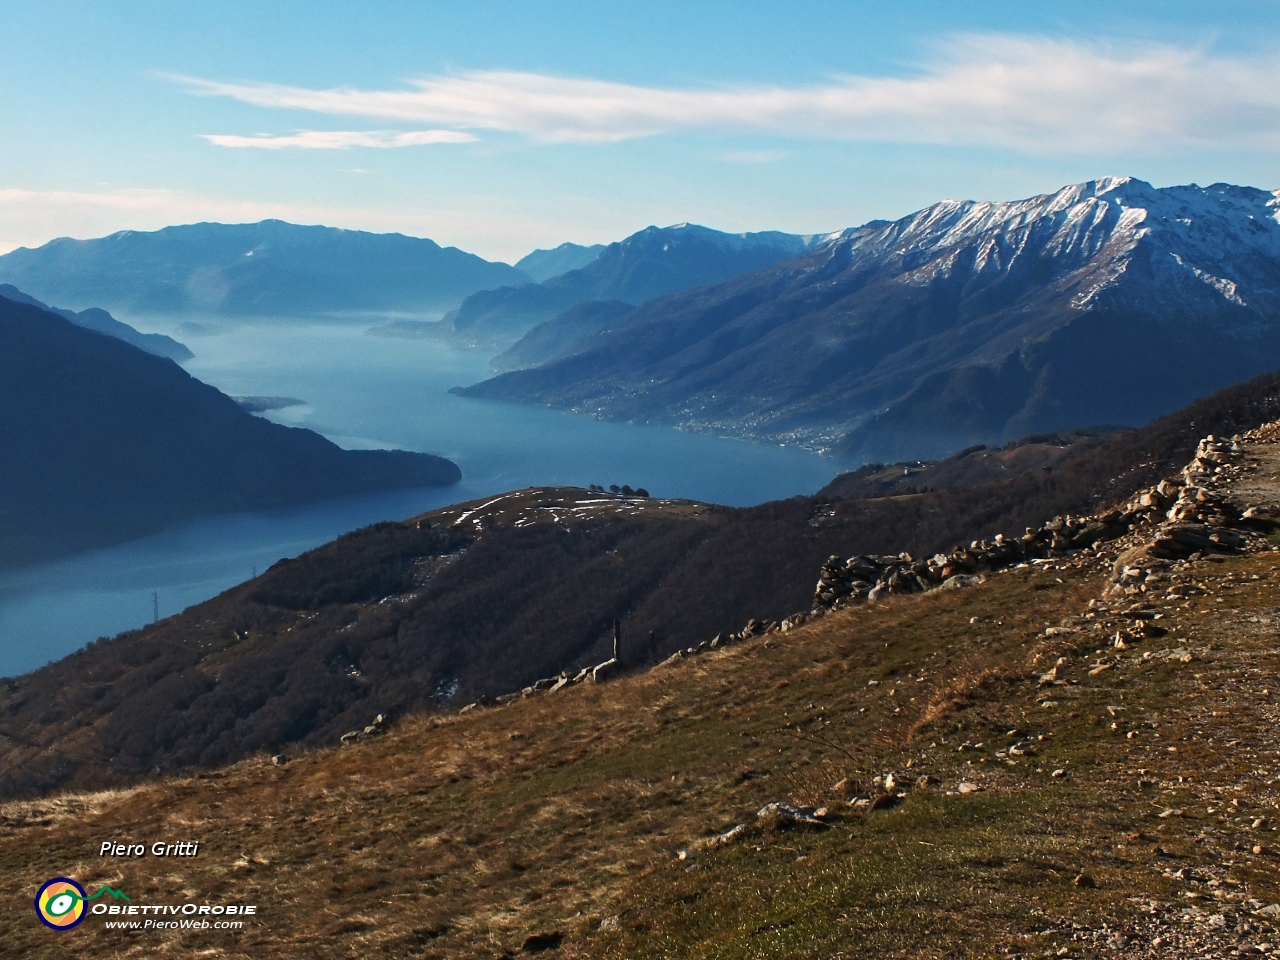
(341, 139)
(1030, 93)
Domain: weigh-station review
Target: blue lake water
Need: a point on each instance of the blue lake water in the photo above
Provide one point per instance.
(368, 392)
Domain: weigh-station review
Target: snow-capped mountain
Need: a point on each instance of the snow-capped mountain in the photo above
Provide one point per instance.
(1111, 301)
(1204, 241)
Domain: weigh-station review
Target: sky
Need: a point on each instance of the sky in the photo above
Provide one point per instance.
(502, 127)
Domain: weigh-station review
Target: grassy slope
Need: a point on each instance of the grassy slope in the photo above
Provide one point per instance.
(462, 836)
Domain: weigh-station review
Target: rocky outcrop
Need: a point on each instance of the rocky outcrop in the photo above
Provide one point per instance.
(1178, 518)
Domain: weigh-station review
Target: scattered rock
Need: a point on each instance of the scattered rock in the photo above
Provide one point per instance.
(780, 814)
(603, 671)
(966, 787)
(377, 728)
(730, 836)
(611, 924)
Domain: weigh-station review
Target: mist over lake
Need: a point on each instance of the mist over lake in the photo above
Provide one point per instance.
(367, 392)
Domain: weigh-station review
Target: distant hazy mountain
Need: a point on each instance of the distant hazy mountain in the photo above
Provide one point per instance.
(563, 335)
(103, 443)
(103, 322)
(545, 264)
(1108, 302)
(652, 263)
(268, 268)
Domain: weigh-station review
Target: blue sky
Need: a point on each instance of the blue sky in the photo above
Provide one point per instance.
(500, 127)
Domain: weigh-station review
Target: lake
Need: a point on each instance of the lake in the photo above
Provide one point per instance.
(363, 391)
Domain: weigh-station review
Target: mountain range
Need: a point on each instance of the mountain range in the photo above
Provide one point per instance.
(271, 268)
(104, 442)
(650, 263)
(98, 319)
(1106, 302)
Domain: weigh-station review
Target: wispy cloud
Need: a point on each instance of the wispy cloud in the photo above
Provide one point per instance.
(754, 156)
(340, 139)
(1022, 92)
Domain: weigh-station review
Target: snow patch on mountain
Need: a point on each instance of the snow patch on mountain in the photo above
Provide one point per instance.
(1089, 235)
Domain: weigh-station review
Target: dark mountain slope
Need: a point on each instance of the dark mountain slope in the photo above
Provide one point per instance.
(99, 320)
(971, 467)
(651, 263)
(486, 597)
(269, 268)
(1106, 302)
(103, 442)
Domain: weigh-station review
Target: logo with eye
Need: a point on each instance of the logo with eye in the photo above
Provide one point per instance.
(60, 903)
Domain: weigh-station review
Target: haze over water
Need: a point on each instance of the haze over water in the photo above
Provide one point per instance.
(366, 391)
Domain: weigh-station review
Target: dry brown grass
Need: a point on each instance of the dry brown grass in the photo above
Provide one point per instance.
(461, 836)
(958, 693)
